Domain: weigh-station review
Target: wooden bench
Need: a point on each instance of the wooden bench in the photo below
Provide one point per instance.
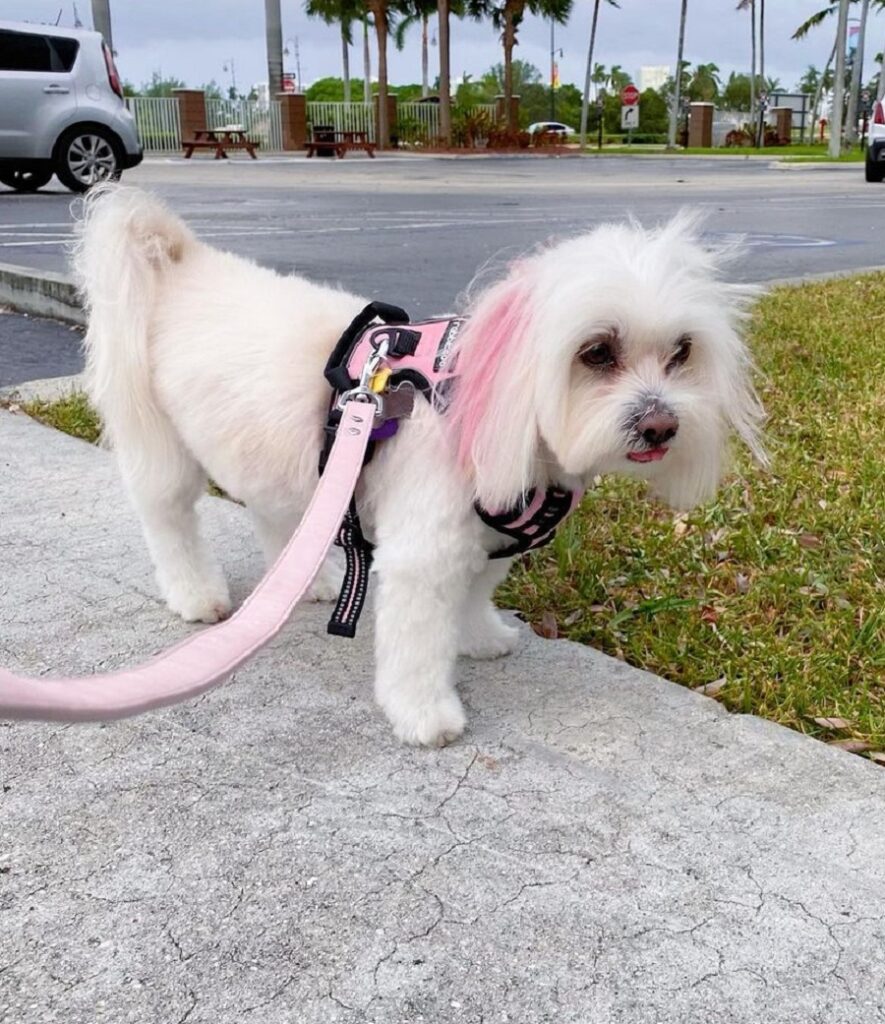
(221, 140)
(326, 141)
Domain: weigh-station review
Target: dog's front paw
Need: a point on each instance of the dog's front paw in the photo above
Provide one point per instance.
(428, 725)
(207, 603)
(488, 638)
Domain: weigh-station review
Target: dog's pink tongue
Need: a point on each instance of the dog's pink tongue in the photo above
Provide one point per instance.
(652, 455)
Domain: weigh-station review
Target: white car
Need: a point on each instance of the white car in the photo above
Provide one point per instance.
(61, 109)
(554, 127)
(876, 143)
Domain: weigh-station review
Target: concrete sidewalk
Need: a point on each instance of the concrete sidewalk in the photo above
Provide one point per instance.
(602, 847)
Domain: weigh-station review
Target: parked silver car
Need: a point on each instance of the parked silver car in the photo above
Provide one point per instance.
(61, 109)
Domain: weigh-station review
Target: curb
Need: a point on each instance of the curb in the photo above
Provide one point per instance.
(40, 293)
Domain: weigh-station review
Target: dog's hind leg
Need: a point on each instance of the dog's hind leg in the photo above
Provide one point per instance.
(274, 530)
(164, 483)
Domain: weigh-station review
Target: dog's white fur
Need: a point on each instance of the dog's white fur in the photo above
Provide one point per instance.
(203, 363)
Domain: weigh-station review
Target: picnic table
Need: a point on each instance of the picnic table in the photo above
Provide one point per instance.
(325, 141)
(221, 140)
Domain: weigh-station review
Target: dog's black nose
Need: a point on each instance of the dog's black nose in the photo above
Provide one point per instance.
(657, 428)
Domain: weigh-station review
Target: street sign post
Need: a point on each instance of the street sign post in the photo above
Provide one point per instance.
(629, 110)
(630, 117)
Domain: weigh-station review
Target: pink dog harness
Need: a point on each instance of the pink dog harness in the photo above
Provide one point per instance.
(374, 372)
(424, 362)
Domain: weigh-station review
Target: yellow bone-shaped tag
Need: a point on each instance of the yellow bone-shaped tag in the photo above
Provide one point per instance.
(379, 382)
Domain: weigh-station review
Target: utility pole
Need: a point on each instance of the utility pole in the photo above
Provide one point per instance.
(101, 20)
(677, 91)
(839, 84)
(273, 24)
(553, 53)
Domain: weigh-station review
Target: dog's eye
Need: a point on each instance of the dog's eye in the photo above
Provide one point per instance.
(599, 354)
(683, 351)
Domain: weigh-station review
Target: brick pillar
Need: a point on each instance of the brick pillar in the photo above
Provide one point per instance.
(391, 117)
(293, 114)
(700, 125)
(501, 109)
(783, 124)
(191, 111)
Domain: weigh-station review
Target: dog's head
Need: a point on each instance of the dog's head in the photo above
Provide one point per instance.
(617, 351)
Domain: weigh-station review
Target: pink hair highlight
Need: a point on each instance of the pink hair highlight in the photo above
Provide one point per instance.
(493, 334)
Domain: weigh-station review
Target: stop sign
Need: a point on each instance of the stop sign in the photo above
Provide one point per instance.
(629, 95)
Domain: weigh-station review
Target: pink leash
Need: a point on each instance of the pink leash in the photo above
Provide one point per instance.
(210, 656)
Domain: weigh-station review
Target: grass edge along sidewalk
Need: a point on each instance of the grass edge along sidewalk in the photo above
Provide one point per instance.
(770, 599)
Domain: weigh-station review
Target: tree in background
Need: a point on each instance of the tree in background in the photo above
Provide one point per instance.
(750, 5)
(705, 83)
(160, 86)
(273, 28)
(507, 16)
(342, 13)
(677, 85)
(590, 75)
(737, 93)
(417, 12)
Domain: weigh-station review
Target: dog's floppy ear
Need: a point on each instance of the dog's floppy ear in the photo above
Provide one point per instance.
(493, 413)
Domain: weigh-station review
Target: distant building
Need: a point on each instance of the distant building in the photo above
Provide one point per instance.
(653, 76)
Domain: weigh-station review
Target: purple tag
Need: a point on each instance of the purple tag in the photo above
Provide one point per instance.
(387, 429)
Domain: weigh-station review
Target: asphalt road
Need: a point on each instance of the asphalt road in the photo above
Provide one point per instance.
(415, 231)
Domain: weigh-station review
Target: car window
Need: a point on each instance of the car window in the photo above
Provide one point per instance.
(25, 51)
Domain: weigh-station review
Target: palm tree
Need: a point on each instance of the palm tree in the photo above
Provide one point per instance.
(857, 74)
(382, 13)
(705, 82)
(443, 8)
(674, 112)
(342, 13)
(101, 20)
(507, 16)
(880, 92)
(599, 77)
(273, 26)
(751, 6)
(839, 86)
(367, 62)
(417, 11)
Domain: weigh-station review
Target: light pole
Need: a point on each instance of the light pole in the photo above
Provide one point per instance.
(231, 67)
(553, 52)
(297, 54)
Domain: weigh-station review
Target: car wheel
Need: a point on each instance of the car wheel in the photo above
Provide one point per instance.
(25, 181)
(86, 156)
(875, 170)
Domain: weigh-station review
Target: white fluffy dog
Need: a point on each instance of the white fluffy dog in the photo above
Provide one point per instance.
(616, 351)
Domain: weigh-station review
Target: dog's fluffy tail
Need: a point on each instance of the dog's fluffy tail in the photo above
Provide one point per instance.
(125, 241)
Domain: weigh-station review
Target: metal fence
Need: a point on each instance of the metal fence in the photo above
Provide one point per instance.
(157, 121)
(417, 122)
(344, 117)
(261, 122)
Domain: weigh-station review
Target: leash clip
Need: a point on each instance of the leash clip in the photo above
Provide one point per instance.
(364, 391)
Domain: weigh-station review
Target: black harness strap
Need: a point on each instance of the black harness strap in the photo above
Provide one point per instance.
(358, 555)
(538, 531)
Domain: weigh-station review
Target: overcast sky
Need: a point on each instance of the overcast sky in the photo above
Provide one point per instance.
(193, 39)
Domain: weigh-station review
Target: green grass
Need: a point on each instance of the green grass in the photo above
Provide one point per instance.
(776, 591)
(777, 588)
(72, 414)
(790, 154)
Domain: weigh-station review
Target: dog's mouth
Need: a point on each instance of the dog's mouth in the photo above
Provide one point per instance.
(649, 455)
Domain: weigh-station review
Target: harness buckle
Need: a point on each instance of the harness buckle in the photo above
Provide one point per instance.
(365, 391)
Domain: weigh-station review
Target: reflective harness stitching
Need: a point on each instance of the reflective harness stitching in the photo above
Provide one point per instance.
(420, 355)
